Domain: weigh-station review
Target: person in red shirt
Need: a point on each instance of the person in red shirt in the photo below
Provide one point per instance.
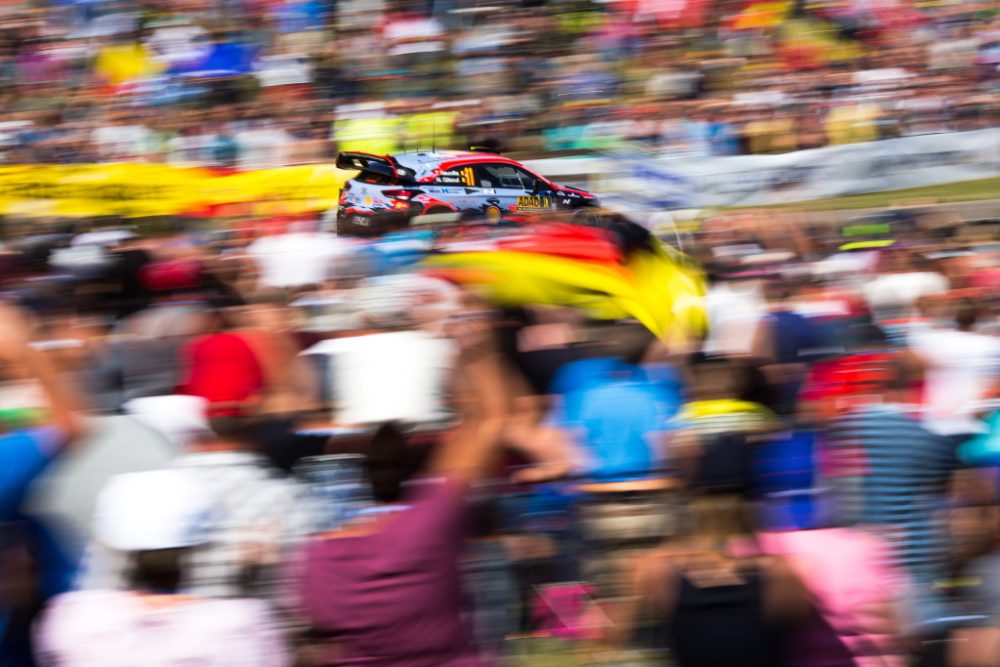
(224, 368)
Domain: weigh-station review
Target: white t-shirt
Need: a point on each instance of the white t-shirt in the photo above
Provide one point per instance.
(734, 313)
(961, 368)
(177, 417)
(895, 295)
(291, 260)
(119, 629)
(388, 376)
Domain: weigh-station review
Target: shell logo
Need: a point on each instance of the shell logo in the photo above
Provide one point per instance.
(368, 201)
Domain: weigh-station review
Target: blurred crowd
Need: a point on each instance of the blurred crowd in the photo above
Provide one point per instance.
(263, 83)
(269, 445)
(253, 442)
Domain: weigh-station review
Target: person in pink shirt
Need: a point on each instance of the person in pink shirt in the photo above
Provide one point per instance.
(856, 593)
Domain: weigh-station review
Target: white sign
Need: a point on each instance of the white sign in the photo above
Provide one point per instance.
(658, 183)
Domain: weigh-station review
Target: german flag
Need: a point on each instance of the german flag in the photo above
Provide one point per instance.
(609, 274)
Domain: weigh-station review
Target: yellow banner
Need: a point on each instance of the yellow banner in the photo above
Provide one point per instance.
(141, 190)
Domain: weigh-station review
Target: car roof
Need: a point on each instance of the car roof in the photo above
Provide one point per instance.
(427, 160)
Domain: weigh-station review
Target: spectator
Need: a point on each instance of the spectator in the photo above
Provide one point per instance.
(722, 136)
(383, 367)
(901, 473)
(256, 519)
(26, 452)
(857, 592)
(157, 518)
(712, 583)
(295, 257)
(618, 417)
(414, 541)
(973, 530)
(144, 358)
(894, 295)
(962, 369)
(785, 341)
(852, 122)
(226, 367)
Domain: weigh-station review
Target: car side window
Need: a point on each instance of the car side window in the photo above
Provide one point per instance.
(504, 176)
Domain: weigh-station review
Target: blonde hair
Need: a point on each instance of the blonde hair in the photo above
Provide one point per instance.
(719, 518)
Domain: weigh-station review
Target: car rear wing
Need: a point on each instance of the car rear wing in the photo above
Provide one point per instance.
(374, 164)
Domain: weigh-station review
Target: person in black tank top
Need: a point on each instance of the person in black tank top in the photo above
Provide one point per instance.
(725, 624)
(721, 604)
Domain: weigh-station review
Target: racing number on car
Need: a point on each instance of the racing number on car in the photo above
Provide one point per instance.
(467, 177)
(537, 203)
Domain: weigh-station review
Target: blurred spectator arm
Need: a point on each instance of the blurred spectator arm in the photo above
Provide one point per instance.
(786, 597)
(16, 349)
(467, 452)
(290, 381)
(653, 595)
(548, 447)
(683, 449)
(975, 647)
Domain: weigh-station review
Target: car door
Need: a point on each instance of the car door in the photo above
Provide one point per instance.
(457, 187)
(510, 187)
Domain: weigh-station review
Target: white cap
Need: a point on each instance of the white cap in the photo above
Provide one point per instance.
(179, 418)
(154, 509)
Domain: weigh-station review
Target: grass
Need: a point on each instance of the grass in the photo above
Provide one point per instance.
(545, 652)
(963, 191)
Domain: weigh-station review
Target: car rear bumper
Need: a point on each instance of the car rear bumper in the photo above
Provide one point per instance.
(374, 223)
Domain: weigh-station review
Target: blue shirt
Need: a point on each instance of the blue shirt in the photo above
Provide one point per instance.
(617, 410)
(24, 455)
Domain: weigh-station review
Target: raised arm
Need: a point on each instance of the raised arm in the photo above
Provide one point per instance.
(16, 350)
(481, 386)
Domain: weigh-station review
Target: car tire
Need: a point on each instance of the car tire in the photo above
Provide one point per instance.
(493, 214)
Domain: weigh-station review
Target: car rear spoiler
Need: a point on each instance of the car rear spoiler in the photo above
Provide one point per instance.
(375, 164)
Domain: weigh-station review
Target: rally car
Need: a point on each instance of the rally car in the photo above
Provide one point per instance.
(390, 190)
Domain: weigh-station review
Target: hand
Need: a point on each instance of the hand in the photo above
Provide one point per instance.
(472, 330)
(15, 331)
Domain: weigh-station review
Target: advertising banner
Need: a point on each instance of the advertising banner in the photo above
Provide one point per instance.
(142, 190)
(656, 182)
